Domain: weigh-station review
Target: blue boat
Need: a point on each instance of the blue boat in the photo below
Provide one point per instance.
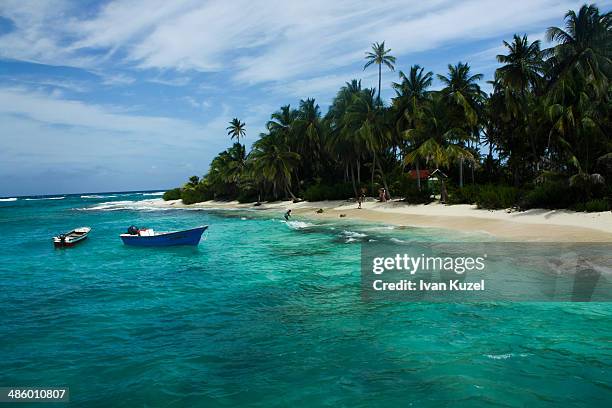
(148, 237)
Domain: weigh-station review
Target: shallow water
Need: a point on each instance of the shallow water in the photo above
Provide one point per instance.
(266, 313)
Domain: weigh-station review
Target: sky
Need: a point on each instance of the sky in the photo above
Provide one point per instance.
(137, 94)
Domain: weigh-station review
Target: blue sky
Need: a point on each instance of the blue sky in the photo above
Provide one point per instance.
(136, 94)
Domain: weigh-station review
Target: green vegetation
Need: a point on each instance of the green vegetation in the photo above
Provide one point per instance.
(541, 138)
(173, 194)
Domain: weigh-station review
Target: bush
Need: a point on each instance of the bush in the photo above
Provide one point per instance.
(320, 191)
(548, 195)
(593, 206)
(466, 195)
(247, 196)
(174, 194)
(494, 197)
(413, 195)
(191, 195)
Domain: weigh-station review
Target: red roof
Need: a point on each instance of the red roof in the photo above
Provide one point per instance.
(422, 173)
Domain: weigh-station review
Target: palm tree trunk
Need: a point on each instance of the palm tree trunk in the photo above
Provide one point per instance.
(472, 167)
(373, 167)
(288, 190)
(382, 174)
(461, 172)
(418, 174)
(379, 78)
(353, 180)
(358, 172)
(443, 192)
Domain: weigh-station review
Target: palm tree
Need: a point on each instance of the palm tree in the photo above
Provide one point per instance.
(368, 124)
(273, 162)
(584, 47)
(411, 92)
(194, 180)
(414, 85)
(236, 129)
(282, 123)
(461, 88)
(434, 139)
(309, 134)
(379, 56)
(518, 80)
(580, 68)
(523, 65)
(463, 92)
(341, 143)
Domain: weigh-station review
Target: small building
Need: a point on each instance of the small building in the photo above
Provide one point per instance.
(423, 174)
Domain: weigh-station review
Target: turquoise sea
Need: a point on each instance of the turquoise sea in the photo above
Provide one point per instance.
(269, 314)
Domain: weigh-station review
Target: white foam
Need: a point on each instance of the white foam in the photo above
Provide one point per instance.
(353, 234)
(44, 198)
(93, 196)
(8, 199)
(399, 241)
(298, 224)
(349, 240)
(159, 193)
(125, 205)
(500, 356)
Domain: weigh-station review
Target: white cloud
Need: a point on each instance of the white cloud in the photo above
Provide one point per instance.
(259, 41)
(43, 132)
(52, 110)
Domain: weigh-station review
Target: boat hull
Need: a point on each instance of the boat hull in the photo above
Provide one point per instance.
(68, 244)
(71, 238)
(187, 237)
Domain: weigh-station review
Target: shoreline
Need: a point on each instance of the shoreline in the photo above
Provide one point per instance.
(530, 225)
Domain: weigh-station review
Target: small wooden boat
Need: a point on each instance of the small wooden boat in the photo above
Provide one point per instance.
(148, 237)
(71, 238)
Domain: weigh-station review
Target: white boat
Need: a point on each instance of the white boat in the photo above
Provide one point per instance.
(71, 238)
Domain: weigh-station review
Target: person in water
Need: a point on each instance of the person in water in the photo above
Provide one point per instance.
(287, 215)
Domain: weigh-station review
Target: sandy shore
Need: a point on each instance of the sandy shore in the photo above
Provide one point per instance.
(531, 225)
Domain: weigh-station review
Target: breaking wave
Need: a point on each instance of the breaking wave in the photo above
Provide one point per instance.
(44, 198)
(159, 193)
(124, 205)
(8, 199)
(297, 225)
(353, 234)
(98, 196)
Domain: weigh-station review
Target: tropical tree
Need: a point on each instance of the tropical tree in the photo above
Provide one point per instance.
(584, 47)
(236, 129)
(464, 98)
(194, 180)
(434, 139)
(379, 56)
(579, 89)
(523, 65)
(309, 135)
(516, 84)
(282, 123)
(411, 92)
(273, 162)
(370, 128)
(341, 143)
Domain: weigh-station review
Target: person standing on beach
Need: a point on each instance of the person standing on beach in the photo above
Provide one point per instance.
(287, 215)
(359, 201)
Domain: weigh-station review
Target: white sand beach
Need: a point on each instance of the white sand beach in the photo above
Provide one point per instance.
(530, 225)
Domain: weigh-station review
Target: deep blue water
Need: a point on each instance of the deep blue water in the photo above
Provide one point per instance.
(265, 313)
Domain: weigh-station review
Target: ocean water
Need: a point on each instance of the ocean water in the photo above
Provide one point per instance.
(269, 314)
